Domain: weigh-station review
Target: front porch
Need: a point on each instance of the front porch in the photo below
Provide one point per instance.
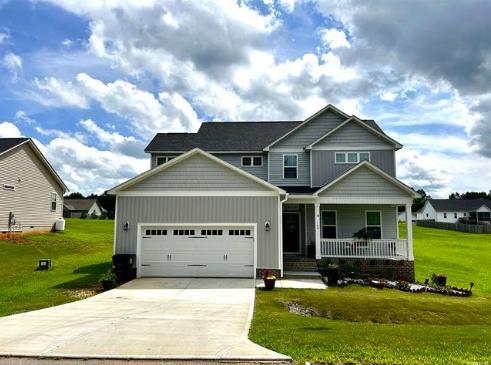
(316, 230)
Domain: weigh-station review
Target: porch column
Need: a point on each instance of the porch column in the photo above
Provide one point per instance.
(409, 229)
(317, 218)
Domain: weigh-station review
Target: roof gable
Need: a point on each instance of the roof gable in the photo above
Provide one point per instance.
(182, 172)
(346, 131)
(79, 204)
(327, 109)
(10, 144)
(365, 179)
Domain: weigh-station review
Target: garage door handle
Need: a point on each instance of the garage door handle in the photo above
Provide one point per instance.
(197, 265)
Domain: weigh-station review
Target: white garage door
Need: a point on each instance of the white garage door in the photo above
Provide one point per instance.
(195, 251)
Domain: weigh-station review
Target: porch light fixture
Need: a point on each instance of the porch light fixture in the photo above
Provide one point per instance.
(267, 226)
(126, 226)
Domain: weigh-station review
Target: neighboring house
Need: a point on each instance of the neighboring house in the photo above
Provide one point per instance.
(31, 192)
(75, 208)
(402, 216)
(236, 197)
(451, 210)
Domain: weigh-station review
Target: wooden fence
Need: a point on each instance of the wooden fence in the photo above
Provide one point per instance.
(470, 228)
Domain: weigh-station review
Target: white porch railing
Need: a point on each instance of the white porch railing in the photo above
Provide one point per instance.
(356, 248)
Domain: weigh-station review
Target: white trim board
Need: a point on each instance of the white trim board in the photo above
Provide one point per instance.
(361, 123)
(189, 193)
(185, 156)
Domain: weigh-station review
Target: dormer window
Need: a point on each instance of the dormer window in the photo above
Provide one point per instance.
(290, 166)
(252, 161)
(351, 157)
(163, 159)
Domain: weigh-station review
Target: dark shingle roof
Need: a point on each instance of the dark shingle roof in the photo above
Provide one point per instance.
(228, 136)
(78, 204)
(223, 136)
(8, 143)
(441, 205)
(299, 189)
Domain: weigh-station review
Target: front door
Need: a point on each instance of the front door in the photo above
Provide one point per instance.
(291, 232)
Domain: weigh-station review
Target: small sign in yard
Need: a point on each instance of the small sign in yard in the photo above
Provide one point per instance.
(44, 264)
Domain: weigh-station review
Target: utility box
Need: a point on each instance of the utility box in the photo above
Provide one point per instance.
(124, 266)
(44, 264)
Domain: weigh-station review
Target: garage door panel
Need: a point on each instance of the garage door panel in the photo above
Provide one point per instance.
(197, 252)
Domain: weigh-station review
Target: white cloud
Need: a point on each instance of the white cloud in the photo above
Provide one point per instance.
(67, 43)
(9, 130)
(388, 96)
(334, 38)
(60, 93)
(4, 37)
(90, 169)
(13, 63)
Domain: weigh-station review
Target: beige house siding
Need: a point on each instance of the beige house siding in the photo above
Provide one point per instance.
(31, 199)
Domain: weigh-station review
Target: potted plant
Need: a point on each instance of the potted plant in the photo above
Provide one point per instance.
(269, 279)
(439, 279)
(323, 266)
(108, 280)
(363, 234)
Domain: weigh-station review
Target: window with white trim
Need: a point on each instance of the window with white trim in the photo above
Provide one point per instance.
(163, 159)
(351, 157)
(53, 201)
(8, 187)
(183, 232)
(374, 223)
(156, 232)
(252, 161)
(328, 223)
(212, 232)
(290, 166)
(239, 232)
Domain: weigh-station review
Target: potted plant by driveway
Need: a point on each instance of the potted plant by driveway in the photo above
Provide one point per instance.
(108, 280)
(269, 279)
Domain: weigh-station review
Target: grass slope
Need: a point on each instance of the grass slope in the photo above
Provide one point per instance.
(359, 324)
(79, 256)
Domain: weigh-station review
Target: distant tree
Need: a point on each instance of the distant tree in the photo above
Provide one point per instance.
(75, 195)
(454, 196)
(418, 203)
(471, 195)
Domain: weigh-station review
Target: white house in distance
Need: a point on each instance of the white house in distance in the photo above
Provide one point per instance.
(451, 210)
(75, 208)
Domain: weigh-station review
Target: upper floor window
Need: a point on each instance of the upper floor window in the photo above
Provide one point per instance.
(351, 157)
(163, 159)
(290, 166)
(252, 160)
(53, 202)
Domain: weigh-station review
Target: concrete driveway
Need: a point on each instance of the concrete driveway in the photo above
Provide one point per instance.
(144, 319)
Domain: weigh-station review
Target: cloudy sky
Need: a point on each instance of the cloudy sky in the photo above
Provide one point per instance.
(92, 81)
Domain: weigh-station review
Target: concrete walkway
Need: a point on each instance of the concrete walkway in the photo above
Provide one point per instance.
(143, 319)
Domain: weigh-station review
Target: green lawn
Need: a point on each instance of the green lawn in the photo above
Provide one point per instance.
(79, 256)
(359, 324)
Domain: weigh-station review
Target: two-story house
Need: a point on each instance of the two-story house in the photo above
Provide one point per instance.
(237, 197)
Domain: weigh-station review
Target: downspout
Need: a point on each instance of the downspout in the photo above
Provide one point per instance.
(280, 230)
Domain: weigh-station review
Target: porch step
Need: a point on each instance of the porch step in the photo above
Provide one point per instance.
(299, 263)
(301, 275)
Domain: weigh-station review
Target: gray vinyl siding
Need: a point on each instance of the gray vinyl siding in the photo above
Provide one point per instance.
(236, 160)
(310, 131)
(31, 200)
(324, 168)
(276, 169)
(197, 173)
(201, 210)
(351, 218)
(364, 183)
(354, 135)
(153, 158)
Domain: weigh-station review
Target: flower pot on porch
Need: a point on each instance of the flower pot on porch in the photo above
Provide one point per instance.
(269, 284)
